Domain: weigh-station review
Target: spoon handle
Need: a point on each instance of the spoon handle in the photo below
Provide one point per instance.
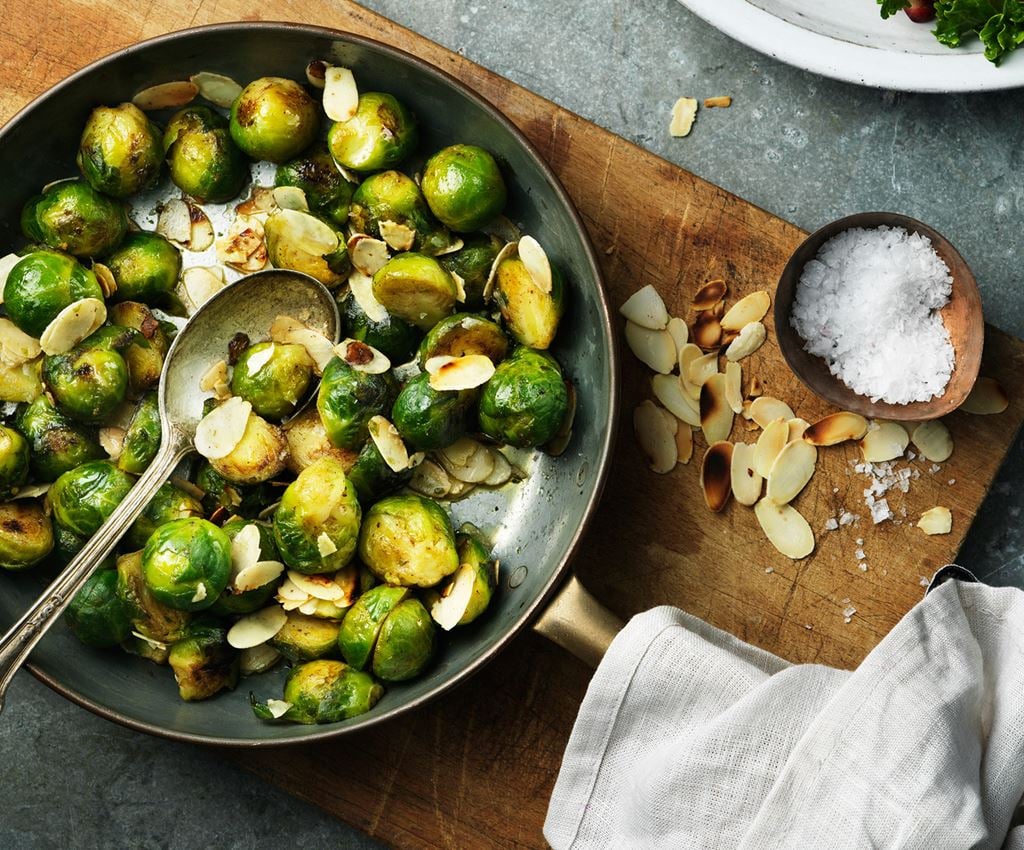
(26, 632)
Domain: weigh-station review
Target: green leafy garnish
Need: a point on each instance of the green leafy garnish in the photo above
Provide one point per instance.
(891, 7)
(998, 23)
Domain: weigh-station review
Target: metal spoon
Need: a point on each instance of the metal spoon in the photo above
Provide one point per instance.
(248, 305)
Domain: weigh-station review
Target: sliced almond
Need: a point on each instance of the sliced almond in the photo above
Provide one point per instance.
(744, 478)
(749, 309)
(73, 324)
(933, 440)
(260, 359)
(505, 252)
(166, 95)
(734, 386)
(243, 247)
(325, 546)
(222, 428)
(502, 471)
(286, 330)
(884, 441)
(684, 113)
(755, 389)
(836, 428)
(654, 436)
(770, 444)
(246, 548)
(431, 480)
(16, 346)
(368, 255)
(278, 708)
(785, 528)
(260, 202)
(684, 443)
(700, 369)
(797, 428)
(341, 96)
(987, 396)
(716, 476)
(448, 609)
(361, 287)
(316, 73)
(459, 373)
(937, 520)
(257, 628)
(790, 472)
(290, 198)
(389, 443)
(257, 575)
(33, 491)
(174, 222)
(687, 355)
(362, 357)
(654, 349)
(537, 264)
(7, 262)
(468, 461)
(322, 587)
(669, 391)
(400, 237)
(200, 231)
(105, 277)
(680, 333)
(455, 243)
(720, 102)
(200, 283)
(715, 414)
(219, 90)
(288, 592)
(709, 295)
(645, 308)
(306, 232)
(707, 331)
(112, 441)
(460, 287)
(767, 409)
(750, 338)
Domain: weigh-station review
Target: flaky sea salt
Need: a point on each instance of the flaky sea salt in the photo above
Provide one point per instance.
(868, 305)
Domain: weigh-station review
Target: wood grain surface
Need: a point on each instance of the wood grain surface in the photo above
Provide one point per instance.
(475, 768)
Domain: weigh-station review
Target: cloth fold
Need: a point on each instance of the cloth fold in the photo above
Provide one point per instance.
(689, 737)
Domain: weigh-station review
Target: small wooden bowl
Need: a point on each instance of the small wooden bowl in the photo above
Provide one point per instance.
(962, 316)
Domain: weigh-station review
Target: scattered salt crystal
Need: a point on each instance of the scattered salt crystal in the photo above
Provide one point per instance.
(849, 611)
(924, 581)
(952, 481)
(808, 626)
(859, 541)
(934, 468)
(860, 554)
(846, 518)
(868, 304)
(835, 489)
(910, 455)
(863, 566)
(880, 511)
(831, 524)
(769, 569)
(847, 619)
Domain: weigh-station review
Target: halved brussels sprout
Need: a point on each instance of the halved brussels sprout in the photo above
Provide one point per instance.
(405, 644)
(473, 264)
(260, 455)
(273, 377)
(14, 459)
(348, 399)
(416, 288)
(395, 339)
(203, 662)
(469, 590)
(431, 419)
(142, 438)
(88, 383)
(326, 189)
(26, 534)
(464, 187)
(305, 638)
(72, 216)
(160, 623)
(168, 503)
(380, 135)
(42, 284)
(304, 243)
(236, 498)
(372, 477)
(203, 160)
(462, 334)
(143, 357)
(308, 441)
(119, 153)
(186, 563)
(524, 402)
(316, 526)
(57, 444)
(325, 691)
(392, 196)
(234, 602)
(531, 314)
(408, 540)
(96, 614)
(83, 498)
(145, 267)
(274, 119)
(363, 622)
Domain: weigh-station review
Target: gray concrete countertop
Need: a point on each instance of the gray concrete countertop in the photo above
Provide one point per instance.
(803, 147)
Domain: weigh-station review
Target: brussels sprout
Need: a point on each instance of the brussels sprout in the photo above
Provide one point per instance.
(159, 623)
(203, 160)
(276, 385)
(119, 153)
(462, 334)
(363, 622)
(380, 135)
(187, 563)
(145, 267)
(531, 314)
(305, 638)
(431, 419)
(524, 402)
(42, 284)
(72, 216)
(84, 497)
(88, 383)
(168, 503)
(96, 614)
(304, 243)
(466, 595)
(408, 540)
(274, 119)
(203, 662)
(325, 691)
(405, 644)
(14, 456)
(142, 438)
(308, 441)
(464, 187)
(22, 382)
(348, 399)
(395, 339)
(372, 477)
(316, 526)
(231, 601)
(392, 196)
(143, 357)
(236, 498)
(57, 444)
(326, 189)
(473, 264)
(26, 534)
(259, 456)
(416, 288)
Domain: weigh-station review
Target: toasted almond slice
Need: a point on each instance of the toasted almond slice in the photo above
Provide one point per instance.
(431, 480)
(505, 252)
(112, 441)
(988, 396)
(8, 262)
(502, 471)
(749, 309)
(700, 369)
(756, 388)
(306, 232)
(257, 628)
(797, 428)
(33, 491)
(715, 414)
(260, 359)
(257, 575)
(785, 528)
(670, 420)
(341, 96)
(362, 357)
(837, 428)
(16, 346)
(399, 236)
(361, 286)
(460, 287)
(73, 324)
(245, 549)
(286, 330)
(791, 471)
(687, 354)
(684, 443)
(715, 475)
(219, 90)
(744, 478)
(389, 443)
(174, 222)
(709, 295)
(937, 520)
(200, 283)
(734, 386)
(720, 102)
(278, 708)
(105, 277)
(707, 331)
(654, 349)
(316, 73)
(242, 247)
(368, 255)
(772, 441)
(747, 404)
(259, 203)
(448, 609)
(645, 308)
(684, 113)
(309, 607)
(459, 373)
(468, 461)
(322, 587)
(933, 440)
(291, 198)
(325, 546)
(750, 338)
(222, 428)
(884, 441)
(289, 592)
(537, 263)
(767, 409)
(655, 438)
(200, 231)
(669, 391)
(680, 333)
(166, 95)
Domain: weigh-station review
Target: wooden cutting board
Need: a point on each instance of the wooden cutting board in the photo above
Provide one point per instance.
(475, 768)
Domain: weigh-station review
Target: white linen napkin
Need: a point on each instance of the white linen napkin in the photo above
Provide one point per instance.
(690, 738)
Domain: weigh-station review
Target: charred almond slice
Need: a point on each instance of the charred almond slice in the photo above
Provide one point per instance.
(536, 262)
(222, 428)
(684, 443)
(707, 331)
(166, 95)
(219, 90)
(749, 309)
(785, 529)
(656, 440)
(937, 520)
(291, 198)
(200, 229)
(770, 444)
(884, 441)
(399, 237)
(259, 203)
(104, 276)
(361, 357)
(988, 396)
(341, 97)
(684, 113)
(654, 349)
(368, 255)
(316, 73)
(797, 428)
(750, 338)
(756, 388)
(361, 286)
(680, 333)
(174, 222)
(766, 409)
(258, 575)
(286, 330)
(734, 386)
(715, 414)
(389, 443)
(16, 346)
(257, 628)
(505, 252)
(459, 373)
(73, 324)
(669, 391)
(837, 428)
(700, 369)
(933, 440)
(720, 102)
(245, 549)
(709, 295)
(716, 476)
(791, 471)
(112, 441)
(745, 479)
(645, 308)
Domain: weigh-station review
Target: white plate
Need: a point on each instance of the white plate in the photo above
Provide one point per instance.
(848, 40)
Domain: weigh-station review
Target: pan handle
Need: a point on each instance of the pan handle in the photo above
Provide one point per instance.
(576, 621)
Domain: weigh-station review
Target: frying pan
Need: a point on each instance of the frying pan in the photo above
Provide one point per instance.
(535, 525)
